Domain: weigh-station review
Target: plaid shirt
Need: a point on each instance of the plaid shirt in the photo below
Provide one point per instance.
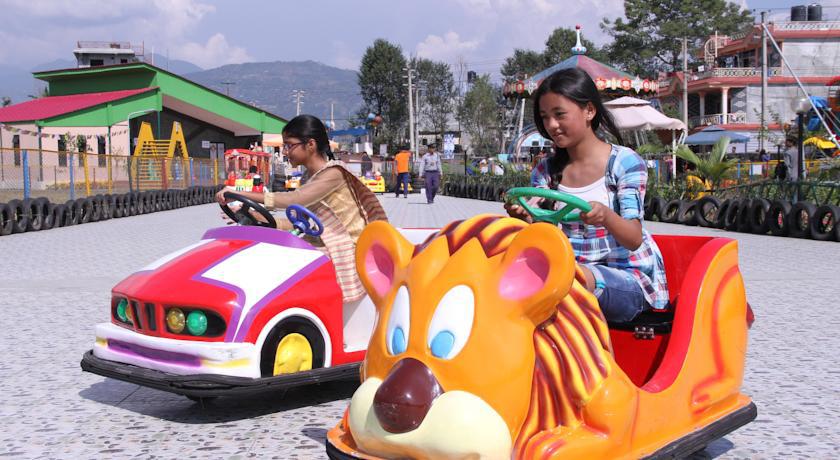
(626, 177)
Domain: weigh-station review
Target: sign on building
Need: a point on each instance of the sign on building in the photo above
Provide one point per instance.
(448, 146)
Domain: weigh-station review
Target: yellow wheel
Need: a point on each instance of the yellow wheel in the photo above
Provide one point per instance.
(293, 354)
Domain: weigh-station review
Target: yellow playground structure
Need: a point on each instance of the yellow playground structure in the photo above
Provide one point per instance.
(160, 163)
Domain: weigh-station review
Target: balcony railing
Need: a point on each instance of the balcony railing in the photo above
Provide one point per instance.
(736, 72)
(807, 25)
(717, 119)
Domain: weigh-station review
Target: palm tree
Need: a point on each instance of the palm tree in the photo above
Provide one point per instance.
(711, 168)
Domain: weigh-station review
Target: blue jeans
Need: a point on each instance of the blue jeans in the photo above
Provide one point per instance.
(402, 183)
(619, 294)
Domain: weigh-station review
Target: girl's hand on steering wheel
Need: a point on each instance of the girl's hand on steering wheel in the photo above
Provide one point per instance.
(220, 196)
(597, 216)
(514, 210)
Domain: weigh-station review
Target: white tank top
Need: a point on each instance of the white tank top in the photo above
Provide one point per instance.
(596, 191)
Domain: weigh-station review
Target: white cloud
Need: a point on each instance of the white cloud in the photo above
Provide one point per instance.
(217, 51)
(445, 48)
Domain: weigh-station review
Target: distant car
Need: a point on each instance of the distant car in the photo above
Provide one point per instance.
(245, 309)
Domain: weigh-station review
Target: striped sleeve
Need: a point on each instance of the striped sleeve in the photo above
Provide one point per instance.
(631, 173)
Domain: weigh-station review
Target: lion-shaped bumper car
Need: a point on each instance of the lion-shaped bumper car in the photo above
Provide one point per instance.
(487, 345)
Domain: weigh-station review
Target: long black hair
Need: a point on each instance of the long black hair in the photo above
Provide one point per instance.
(305, 127)
(578, 86)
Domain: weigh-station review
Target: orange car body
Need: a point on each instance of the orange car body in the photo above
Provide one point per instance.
(488, 327)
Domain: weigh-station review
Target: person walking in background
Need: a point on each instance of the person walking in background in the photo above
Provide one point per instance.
(367, 164)
(430, 167)
(402, 159)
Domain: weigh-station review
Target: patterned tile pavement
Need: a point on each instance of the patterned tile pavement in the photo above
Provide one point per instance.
(54, 286)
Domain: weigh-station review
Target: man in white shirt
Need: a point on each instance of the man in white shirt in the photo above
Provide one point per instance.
(430, 169)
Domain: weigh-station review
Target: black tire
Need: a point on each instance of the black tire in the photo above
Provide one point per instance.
(720, 217)
(706, 211)
(49, 216)
(687, 214)
(758, 216)
(58, 213)
(85, 210)
(35, 208)
(671, 211)
(732, 212)
(744, 216)
(20, 216)
(73, 214)
(110, 206)
(800, 219)
(658, 207)
(119, 205)
(6, 220)
(824, 222)
(96, 208)
(290, 326)
(778, 218)
(133, 201)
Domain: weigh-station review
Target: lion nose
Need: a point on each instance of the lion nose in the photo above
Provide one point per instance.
(406, 395)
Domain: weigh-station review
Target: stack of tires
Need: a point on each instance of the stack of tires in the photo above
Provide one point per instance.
(487, 192)
(18, 216)
(751, 215)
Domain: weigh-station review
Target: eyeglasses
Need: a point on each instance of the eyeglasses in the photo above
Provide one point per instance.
(289, 147)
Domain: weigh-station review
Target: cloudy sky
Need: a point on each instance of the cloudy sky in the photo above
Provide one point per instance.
(210, 33)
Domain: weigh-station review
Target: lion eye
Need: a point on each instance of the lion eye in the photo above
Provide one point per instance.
(398, 330)
(452, 323)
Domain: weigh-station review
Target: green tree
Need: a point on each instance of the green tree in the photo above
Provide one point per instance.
(650, 38)
(559, 46)
(437, 98)
(381, 85)
(479, 116)
(711, 168)
(5, 101)
(523, 62)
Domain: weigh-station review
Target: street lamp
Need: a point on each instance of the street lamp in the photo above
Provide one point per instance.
(801, 106)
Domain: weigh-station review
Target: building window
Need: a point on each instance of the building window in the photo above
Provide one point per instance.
(123, 61)
(81, 143)
(100, 149)
(16, 147)
(62, 151)
(97, 62)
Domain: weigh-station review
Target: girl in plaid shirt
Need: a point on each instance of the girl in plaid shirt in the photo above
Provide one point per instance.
(622, 264)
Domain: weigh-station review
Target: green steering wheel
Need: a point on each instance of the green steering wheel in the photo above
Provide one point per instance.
(565, 214)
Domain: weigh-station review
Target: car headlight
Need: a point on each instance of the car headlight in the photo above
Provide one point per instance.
(122, 310)
(197, 322)
(175, 320)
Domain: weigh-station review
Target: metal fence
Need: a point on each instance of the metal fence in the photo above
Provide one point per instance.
(60, 176)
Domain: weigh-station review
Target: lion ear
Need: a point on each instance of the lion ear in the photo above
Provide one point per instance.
(537, 270)
(380, 253)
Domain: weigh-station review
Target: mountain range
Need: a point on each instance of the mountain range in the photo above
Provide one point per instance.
(267, 85)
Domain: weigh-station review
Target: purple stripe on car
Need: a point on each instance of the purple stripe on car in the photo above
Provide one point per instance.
(240, 294)
(168, 357)
(257, 234)
(286, 285)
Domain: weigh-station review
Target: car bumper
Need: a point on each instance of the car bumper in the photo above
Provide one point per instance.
(211, 385)
(171, 356)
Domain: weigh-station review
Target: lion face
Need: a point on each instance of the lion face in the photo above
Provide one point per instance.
(450, 362)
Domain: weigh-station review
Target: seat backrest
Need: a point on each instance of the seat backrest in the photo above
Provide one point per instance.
(677, 252)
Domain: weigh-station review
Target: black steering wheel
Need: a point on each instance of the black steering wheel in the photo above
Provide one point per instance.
(564, 214)
(304, 221)
(243, 216)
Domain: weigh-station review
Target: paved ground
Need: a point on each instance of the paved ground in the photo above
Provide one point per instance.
(54, 286)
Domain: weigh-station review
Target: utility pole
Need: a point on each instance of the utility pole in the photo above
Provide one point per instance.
(227, 86)
(410, 73)
(332, 115)
(764, 68)
(684, 99)
(298, 96)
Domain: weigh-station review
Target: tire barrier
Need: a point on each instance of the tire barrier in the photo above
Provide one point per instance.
(751, 215)
(32, 215)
